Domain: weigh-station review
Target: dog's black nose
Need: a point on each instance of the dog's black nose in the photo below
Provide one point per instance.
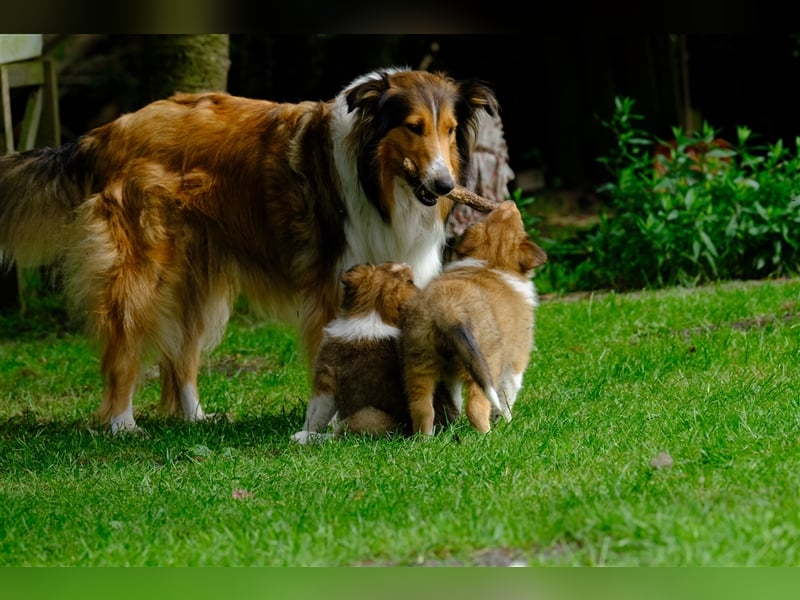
(443, 185)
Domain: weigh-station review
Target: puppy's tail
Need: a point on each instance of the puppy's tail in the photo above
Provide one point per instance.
(469, 353)
(39, 190)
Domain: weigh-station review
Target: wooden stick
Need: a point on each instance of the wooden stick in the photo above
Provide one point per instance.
(459, 193)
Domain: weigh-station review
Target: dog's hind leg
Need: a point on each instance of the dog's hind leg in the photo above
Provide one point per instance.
(499, 406)
(420, 389)
(180, 361)
(120, 367)
(104, 280)
(447, 403)
(202, 317)
(478, 408)
(322, 405)
(321, 409)
(510, 385)
(179, 387)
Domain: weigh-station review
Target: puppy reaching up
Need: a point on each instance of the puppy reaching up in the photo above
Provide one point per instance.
(474, 324)
(357, 373)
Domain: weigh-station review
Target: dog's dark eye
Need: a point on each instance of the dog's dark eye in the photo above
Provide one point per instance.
(415, 128)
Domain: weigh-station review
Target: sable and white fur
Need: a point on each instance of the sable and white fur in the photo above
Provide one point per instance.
(161, 218)
(474, 324)
(357, 373)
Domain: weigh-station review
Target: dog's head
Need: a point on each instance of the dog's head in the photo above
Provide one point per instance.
(429, 118)
(502, 242)
(384, 288)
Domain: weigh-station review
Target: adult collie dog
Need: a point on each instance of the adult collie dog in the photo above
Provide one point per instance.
(160, 219)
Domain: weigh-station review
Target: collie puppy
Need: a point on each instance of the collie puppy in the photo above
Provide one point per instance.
(163, 217)
(357, 373)
(474, 324)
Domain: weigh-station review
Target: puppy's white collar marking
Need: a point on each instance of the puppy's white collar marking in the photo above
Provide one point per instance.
(465, 263)
(353, 329)
(523, 287)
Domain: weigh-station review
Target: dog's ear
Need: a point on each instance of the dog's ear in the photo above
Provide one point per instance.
(367, 94)
(531, 255)
(477, 95)
(473, 97)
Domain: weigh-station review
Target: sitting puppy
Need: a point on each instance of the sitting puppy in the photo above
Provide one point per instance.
(357, 373)
(474, 324)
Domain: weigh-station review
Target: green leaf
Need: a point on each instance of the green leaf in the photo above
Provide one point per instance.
(733, 225)
(708, 243)
(689, 198)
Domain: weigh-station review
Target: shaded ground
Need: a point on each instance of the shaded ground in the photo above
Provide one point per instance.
(560, 212)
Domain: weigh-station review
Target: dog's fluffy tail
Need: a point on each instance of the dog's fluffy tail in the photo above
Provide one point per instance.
(469, 353)
(39, 190)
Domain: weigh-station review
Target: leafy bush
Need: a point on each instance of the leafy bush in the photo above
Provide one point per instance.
(687, 211)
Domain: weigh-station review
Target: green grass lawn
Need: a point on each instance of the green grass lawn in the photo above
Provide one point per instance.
(658, 428)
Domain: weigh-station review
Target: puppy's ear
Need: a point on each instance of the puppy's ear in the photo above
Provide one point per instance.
(404, 271)
(352, 279)
(355, 275)
(471, 240)
(531, 255)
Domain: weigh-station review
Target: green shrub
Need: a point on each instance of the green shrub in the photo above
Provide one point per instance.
(687, 211)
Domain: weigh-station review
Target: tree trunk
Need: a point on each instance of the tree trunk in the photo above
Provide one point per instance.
(185, 63)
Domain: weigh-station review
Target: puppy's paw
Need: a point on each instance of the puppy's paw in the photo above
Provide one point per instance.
(217, 418)
(310, 437)
(301, 437)
(123, 429)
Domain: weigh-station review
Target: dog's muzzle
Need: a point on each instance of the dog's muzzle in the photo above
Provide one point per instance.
(421, 193)
(424, 195)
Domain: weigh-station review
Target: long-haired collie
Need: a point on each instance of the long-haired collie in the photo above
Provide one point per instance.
(161, 218)
(474, 324)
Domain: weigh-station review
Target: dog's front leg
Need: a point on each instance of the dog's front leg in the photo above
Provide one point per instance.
(321, 409)
(120, 373)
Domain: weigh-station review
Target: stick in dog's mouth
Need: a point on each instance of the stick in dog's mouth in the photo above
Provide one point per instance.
(458, 194)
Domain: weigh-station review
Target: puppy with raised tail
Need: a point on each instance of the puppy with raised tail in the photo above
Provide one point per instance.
(474, 324)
